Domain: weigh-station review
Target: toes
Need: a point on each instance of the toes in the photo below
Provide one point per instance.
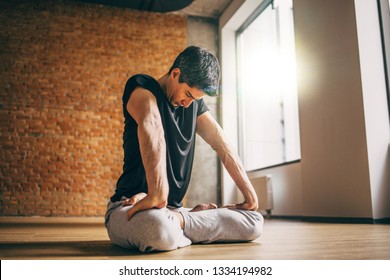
(213, 206)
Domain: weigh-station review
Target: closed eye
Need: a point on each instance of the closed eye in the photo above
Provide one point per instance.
(190, 95)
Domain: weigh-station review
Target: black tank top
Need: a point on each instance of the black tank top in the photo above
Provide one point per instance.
(179, 126)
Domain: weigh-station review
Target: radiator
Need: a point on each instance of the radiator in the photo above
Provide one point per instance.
(263, 188)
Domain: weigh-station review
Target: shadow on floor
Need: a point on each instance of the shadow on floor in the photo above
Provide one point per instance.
(67, 249)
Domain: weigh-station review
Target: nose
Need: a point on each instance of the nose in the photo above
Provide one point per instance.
(186, 103)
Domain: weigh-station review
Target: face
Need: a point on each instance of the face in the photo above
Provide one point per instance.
(181, 94)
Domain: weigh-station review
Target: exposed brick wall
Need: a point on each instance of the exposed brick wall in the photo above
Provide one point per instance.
(63, 67)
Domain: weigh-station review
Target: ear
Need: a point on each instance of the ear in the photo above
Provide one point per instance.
(175, 72)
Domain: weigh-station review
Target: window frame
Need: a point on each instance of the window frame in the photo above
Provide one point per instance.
(384, 23)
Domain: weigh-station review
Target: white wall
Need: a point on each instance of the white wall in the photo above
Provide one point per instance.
(375, 105)
(335, 178)
(286, 188)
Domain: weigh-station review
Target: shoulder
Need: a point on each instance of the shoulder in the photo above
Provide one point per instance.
(142, 104)
(142, 80)
(201, 107)
(144, 88)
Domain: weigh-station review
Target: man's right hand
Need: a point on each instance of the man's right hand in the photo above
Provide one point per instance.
(145, 203)
(134, 199)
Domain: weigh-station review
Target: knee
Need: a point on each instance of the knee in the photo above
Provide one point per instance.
(251, 224)
(159, 232)
(256, 225)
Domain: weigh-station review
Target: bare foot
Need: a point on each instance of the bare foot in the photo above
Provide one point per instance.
(204, 206)
(200, 207)
(180, 217)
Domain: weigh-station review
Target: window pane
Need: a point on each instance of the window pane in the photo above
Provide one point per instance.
(269, 130)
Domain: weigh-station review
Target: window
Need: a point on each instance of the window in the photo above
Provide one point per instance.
(384, 15)
(267, 91)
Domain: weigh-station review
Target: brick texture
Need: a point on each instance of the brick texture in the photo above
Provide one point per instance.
(63, 67)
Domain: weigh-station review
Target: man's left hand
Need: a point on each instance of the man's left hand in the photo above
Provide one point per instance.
(242, 206)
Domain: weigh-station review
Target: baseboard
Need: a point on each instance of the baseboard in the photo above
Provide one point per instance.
(281, 217)
(384, 221)
(337, 220)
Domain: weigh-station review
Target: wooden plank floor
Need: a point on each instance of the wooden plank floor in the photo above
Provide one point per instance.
(86, 238)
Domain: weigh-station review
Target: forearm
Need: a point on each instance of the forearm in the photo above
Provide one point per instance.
(213, 134)
(236, 170)
(153, 152)
(233, 165)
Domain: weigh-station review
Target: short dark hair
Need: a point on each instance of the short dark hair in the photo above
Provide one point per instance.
(198, 68)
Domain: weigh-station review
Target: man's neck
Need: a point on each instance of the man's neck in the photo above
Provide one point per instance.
(163, 83)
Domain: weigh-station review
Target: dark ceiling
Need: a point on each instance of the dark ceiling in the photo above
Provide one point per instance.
(198, 8)
(160, 6)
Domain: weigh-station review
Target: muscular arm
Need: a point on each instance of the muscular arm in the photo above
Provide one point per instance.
(213, 134)
(142, 106)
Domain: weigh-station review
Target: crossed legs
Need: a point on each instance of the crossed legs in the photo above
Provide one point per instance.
(164, 229)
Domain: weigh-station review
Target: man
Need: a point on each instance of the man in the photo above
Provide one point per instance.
(162, 118)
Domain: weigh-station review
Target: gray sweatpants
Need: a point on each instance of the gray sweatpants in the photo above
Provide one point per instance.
(159, 229)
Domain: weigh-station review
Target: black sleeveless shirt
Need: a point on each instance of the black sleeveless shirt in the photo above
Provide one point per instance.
(179, 126)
